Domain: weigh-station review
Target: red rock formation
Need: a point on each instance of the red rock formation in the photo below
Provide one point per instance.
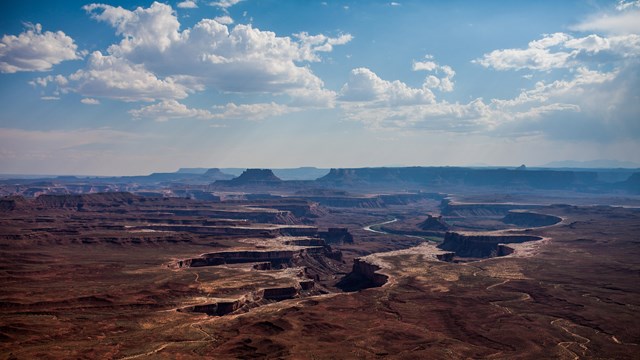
(363, 275)
(530, 219)
(433, 223)
(480, 246)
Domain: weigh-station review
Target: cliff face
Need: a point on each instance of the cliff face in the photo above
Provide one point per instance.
(432, 223)
(251, 176)
(539, 179)
(465, 210)
(632, 184)
(480, 246)
(530, 219)
(78, 202)
(336, 236)
(12, 203)
(363, 275)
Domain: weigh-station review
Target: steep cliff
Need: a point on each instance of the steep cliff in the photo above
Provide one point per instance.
(363, 275)
(529, 219)
(480, 246)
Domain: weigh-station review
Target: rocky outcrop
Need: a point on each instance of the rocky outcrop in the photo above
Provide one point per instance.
(220, 308)
(480, 245)
(336, 236)
(504, 250)
(279, 294)
(252, 299)
(275, 257)
(529, 219)
(253, 177)
(433, 223)
(447, 256)
(12, 203)
(363, 275)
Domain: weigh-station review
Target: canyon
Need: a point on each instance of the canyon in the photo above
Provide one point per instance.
(362, 263)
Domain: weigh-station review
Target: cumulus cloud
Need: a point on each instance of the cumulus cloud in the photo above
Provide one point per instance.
(187, 5)
(593, 102)
(112, 77)
(90, 101)
(224, 4)
(383, 104)
(169, 109)
(365, 86)
(443, 83)
(33, 50)
(49, 79)
(224, 20)
(561, 50)
(241, 59)
(538, 56)
(153, 28)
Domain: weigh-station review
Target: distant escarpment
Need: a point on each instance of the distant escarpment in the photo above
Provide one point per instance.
(529, 219)
(632, 184)
(481, 245)
(252, 177)
(454, 176)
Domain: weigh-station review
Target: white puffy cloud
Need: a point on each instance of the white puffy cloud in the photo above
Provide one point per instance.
(241, 59)
(90, 101)
(188, 4)
(382, 104)
(33, 50)
(169, 109)
(561, 51)
(312, 44)
(368, 88)
(538, 56)
(365, 86)
(153, 28)
(112, 77)
(600, 105)
(224, 20)
(224, 4)
(444, 83)
(424, 65)
(49, 79)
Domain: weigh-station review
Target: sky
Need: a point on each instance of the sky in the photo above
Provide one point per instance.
(134, 87)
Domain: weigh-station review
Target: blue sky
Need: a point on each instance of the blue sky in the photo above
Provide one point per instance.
(132, 87)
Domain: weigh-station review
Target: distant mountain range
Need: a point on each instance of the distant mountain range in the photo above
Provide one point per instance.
(592, 164)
